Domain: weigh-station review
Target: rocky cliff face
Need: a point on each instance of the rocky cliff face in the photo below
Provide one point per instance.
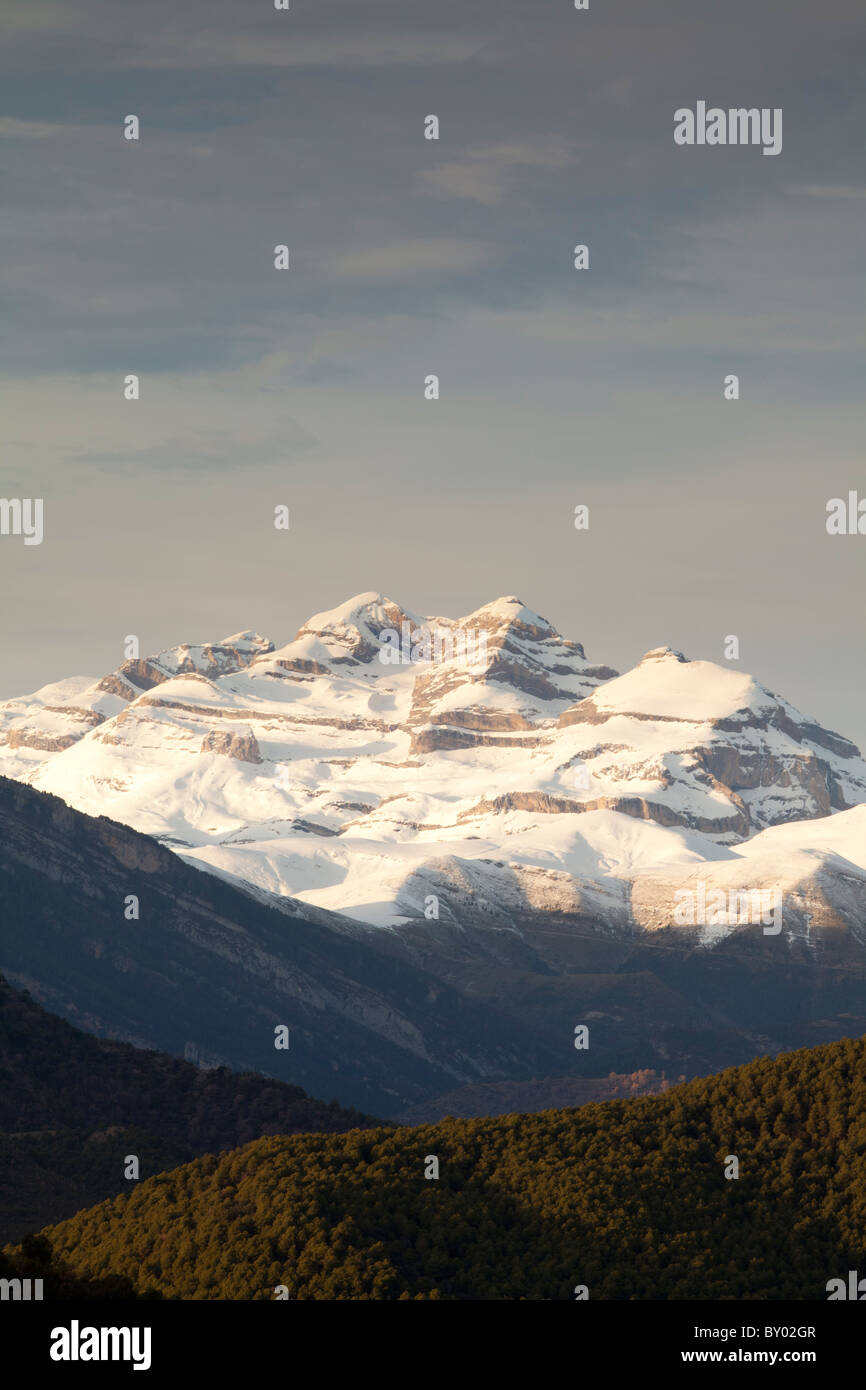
(241, 745)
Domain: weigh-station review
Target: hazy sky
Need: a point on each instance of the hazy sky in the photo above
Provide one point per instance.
(455, 257)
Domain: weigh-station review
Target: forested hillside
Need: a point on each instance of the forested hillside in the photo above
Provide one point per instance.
(628, 1198)
(34, 1260)
(73, 1106)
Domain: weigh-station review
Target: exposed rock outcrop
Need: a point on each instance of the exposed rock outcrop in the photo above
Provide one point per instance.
(243, 747)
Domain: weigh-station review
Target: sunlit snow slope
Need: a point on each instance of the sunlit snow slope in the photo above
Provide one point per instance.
(513, 769)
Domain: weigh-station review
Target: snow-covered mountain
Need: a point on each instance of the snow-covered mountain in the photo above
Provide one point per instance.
(398, 769)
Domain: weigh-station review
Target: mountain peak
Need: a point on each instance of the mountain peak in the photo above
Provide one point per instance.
(348, 634)
(368, 609)
(509, 611)
(249, 640)
(664, 654)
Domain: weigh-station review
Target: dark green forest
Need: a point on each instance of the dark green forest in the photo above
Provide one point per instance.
(626, 1197)
(34, 1259)
(72, 1106)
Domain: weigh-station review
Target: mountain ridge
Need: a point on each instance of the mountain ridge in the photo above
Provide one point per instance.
(325, 772)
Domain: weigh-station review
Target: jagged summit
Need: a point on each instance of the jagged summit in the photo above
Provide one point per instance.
(248, 641)
(510, 611)
(371, 611)
(663, 654)
(353, 632)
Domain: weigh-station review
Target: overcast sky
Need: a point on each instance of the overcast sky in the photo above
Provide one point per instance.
(408, 257)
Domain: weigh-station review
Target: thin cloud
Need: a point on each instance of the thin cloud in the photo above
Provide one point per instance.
(212, 448)
(420, 256)
(12, 129)
(827, 190)
(486, 174)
